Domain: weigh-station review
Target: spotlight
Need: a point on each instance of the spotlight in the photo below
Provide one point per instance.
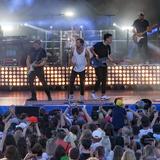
(7, 27)
(81, 27)
(51, 27)
(25, 24)
(114, 24)
(129, 28)
(69, 14)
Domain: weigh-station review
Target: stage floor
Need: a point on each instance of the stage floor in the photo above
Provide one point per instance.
(59, 97)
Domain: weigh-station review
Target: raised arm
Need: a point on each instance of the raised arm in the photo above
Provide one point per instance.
(7, 125)
(89, 119)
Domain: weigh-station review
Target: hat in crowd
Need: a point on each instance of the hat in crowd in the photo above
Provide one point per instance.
(32, 119)
(97, 134)
(119, 101)
(21, 125)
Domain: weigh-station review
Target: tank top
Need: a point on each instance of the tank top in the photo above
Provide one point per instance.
(79, 60)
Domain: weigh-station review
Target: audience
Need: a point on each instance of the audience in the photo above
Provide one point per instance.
(115, 133)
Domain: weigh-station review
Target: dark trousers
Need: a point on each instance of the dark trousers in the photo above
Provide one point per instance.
(143, 49)
(72, 80)
(101, 77)
(40, 74)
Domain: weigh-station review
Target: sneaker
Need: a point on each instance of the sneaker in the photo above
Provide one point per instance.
(71, 98)
(32, 99)
(105, 97)
(81, 99)
(94, 96)
(49, 99)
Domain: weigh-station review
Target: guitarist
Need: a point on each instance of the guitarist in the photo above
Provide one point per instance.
(35, 63)
(141, 27)
(102, 50)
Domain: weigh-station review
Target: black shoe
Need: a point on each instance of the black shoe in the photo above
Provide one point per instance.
(32, 99)
(80, 102)
(49, 99)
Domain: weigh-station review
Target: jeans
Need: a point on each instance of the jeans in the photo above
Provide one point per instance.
(40, 74)
(72, 80)
(101, 75)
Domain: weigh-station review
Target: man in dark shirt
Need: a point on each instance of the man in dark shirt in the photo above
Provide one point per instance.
(35, 62)
(102, 50)
(141, 27)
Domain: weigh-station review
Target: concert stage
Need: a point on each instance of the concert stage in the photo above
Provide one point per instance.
(18, 99)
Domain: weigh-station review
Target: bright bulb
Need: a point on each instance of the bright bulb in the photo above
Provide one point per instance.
(7, 28)
(127, 28)
(69, 14)
(114, 24)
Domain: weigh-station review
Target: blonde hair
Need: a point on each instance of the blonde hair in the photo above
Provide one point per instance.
(128, 155)
(148, 151)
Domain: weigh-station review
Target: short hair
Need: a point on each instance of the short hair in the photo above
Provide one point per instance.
(12, 153)
(145, 121)
(37, 42)
(74, 153)
(61, 134)
(106, 36)
(81, 40)
(119, 141)
(100, 151)
(86, 143)
(37, 149)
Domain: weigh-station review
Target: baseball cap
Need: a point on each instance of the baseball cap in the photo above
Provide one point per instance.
(97, 134)
(141, 13)
(21, 125)
(32, 119)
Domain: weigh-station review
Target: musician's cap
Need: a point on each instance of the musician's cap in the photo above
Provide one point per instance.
(37, 41)
(141, 14)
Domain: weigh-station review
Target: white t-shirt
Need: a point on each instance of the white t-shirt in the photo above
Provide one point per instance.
(143, 132)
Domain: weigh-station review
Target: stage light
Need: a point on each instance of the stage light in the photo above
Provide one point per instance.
(7, 27)
(51, 27)
(69, 13)
(127, 28)
(81, 27)
(114, 24)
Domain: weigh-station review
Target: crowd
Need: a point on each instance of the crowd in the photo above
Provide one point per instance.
(115, 133)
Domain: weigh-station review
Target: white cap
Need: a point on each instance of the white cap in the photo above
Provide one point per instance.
(97, 134)
(22, 125)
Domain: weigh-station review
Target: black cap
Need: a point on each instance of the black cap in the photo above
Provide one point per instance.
(141, 14)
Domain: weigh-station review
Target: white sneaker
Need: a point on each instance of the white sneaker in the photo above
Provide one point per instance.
(94, 96)
(105, 97)
(71, 97)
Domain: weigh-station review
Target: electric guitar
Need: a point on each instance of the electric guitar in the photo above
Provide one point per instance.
(32, 66)
(102, 62)
(137, 37)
